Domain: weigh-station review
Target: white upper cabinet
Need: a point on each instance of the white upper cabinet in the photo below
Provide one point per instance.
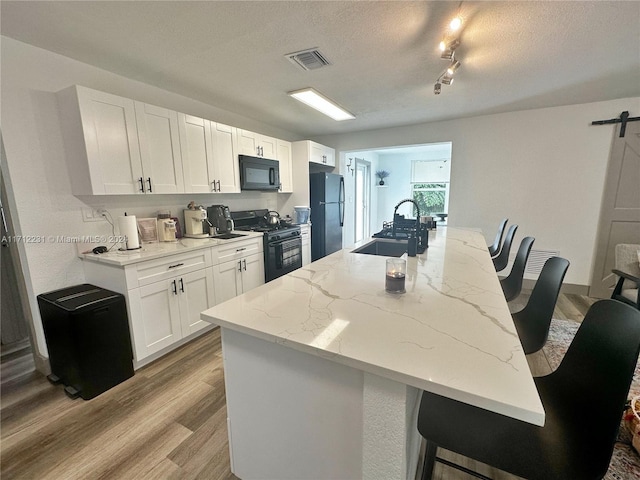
(256, 144)
(317, 153)
(159, 149)
(286, 167)
(225, 159)
(197, 154)
(101, 140)
(322, 155)
(209, 158)
(116, 145)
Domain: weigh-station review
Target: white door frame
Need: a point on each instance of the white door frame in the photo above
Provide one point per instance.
(362, 168)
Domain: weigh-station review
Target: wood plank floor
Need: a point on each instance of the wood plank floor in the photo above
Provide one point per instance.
(167, 422)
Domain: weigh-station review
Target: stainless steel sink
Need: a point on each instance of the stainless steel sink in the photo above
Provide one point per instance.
(227, 236)
(384, 247)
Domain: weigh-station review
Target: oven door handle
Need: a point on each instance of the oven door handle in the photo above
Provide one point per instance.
(286, 240)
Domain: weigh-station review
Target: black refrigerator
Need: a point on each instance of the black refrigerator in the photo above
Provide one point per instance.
(326, 191)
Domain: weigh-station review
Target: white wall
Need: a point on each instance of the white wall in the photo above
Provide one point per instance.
(36, 173)
(543, 169)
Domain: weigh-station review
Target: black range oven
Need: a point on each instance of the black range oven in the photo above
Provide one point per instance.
(282, 243)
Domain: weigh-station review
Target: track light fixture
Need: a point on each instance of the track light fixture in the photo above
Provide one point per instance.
(447, 49)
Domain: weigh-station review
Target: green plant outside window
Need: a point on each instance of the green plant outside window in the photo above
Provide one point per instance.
(431, 197)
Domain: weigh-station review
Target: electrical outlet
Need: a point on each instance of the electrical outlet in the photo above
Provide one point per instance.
(93, 214)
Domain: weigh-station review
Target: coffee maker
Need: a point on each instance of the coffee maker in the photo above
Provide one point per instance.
(194, 223)
(220, 218)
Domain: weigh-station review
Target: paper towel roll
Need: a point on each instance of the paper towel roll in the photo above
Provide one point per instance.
(129, 229)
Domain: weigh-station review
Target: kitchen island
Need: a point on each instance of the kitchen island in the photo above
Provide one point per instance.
(324, 369)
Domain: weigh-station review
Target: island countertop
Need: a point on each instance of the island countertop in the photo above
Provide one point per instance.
(451, 333)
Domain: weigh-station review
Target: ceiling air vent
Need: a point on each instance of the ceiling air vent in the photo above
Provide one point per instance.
(310, 59)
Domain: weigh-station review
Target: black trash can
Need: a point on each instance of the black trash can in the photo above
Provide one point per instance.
(87, 333)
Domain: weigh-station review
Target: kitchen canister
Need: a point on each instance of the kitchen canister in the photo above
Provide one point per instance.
(301, 214)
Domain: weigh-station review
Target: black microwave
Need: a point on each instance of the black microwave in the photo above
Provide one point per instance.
(259, 173)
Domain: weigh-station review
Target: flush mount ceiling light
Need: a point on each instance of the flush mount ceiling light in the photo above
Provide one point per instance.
(321, 103)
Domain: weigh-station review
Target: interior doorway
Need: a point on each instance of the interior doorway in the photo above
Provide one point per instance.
(16, 349)
(362, 199)
(620, 211)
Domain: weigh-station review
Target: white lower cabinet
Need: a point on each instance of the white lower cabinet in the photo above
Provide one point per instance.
(305, 236)
(166, 296)
(235, 277)
(167, 311)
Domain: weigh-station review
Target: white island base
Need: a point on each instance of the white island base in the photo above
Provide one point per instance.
(298, 416)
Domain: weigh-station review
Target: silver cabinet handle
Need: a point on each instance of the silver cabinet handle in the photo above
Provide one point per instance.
(149, 180)
(176, 265)
(219, 189)
(244, 262)
(239, 265)
(240, 249)
(174, 288)
(141, 180)
(213, 186)
(181, 286)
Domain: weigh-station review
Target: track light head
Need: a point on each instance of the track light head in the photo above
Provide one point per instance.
(455, 65)
(446, 80)
(437, 88)
(448, 50)
(455, 24)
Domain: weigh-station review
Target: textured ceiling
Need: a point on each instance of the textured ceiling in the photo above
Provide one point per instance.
(515, 55)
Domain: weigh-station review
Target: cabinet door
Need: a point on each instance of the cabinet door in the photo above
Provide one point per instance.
(286, 173)
(227, 280)
(159, 149)
(111, 139)
(197, 153)
(316, 153)
(321, 154)
(248, 143)
(252, 272)
(305, 235)
(196, 294)
(268, 147)
(330, 156)
(155, 317)
(226, 168)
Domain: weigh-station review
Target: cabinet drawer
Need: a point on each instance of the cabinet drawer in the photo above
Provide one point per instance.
(235, 250)
(162, 269)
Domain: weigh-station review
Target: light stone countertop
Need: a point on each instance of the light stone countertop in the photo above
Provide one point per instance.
(451, 333)
(152, 251)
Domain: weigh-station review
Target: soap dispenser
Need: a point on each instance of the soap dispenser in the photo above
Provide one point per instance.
(412, 247)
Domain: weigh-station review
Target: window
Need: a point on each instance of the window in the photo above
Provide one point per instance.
(431, 197)
(430, 185)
